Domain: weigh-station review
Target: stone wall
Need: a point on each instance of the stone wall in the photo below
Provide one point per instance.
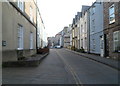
(110, 28)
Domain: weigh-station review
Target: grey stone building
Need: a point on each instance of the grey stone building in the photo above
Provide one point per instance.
(112, 29)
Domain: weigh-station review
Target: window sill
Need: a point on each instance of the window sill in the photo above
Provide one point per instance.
(19, 48)
(111, 23)
(32, 49)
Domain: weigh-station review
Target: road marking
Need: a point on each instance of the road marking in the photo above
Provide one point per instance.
(75, 76)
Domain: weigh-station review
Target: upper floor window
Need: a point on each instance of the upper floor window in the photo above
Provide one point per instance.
(85, 27)
(82, 30)
(93, 25)
(112, 14)
(93, 10)
(21, 5)
(31, 13)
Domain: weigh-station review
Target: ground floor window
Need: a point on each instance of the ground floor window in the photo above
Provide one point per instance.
(94, 45)
(31, 40)
(20, 37)
(116, 41)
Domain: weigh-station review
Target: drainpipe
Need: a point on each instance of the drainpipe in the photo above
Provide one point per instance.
(36, 28)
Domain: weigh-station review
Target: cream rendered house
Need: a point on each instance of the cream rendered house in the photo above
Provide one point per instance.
(18, 30)
(84, 28)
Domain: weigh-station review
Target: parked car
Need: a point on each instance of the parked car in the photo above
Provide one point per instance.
(58, 46)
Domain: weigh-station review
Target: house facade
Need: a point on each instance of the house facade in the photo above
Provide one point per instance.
(70, 28)
(79, 14)
(18, 30)
(83, 28)
(0, 38)
(96, 29)
(67, 37)
(73, 33)
(112, 29)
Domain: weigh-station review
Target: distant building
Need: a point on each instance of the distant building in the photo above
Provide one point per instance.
(51, 41)
(57, 37)
(67, 37)
(73, 33)
(70, 28)
(112, 29)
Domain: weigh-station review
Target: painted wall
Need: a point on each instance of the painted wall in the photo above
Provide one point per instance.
(11, 19)
(0, 43)
(83, 31)
(96, 27)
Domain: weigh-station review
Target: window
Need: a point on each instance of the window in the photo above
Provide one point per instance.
(85, 27)
(31, 40)
(112, 14)
(82, 30)
(116, 41)
(93, 10)
(81, 42)
(85, 43)
(31, 13)
(20, 37)
(21, 5)
(94, 44)
(93, 25)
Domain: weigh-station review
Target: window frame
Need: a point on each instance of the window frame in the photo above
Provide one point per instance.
(31, 40)
(116, 34)
(31, 13)
(112, 14)
(20, 37)
(21, 5)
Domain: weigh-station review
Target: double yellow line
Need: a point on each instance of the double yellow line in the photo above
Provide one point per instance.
(75, 76)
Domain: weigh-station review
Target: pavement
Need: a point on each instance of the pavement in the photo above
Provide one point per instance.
(103, 60)
(28, 62)
(63, 67)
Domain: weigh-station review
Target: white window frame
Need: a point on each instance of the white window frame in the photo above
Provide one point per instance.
(112, 7)
(21, 5)
(116, 40)
(20, 39)
(94, 44)
(31, 13)
(93, 25)
(31, 40)
(93, 10)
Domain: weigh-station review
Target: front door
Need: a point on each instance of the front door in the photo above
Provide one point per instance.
(102, 46)
(106, 45)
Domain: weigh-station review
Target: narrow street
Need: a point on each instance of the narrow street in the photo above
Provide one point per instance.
(62, 67)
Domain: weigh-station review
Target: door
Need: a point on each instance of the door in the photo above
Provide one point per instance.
(106, 45)
(102, 46)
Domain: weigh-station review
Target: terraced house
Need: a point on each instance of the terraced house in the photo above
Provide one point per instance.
(18, 29)
(83, 29)
(112, 29)
(96, 28)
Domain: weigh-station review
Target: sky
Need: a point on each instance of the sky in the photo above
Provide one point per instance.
(57, 14)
